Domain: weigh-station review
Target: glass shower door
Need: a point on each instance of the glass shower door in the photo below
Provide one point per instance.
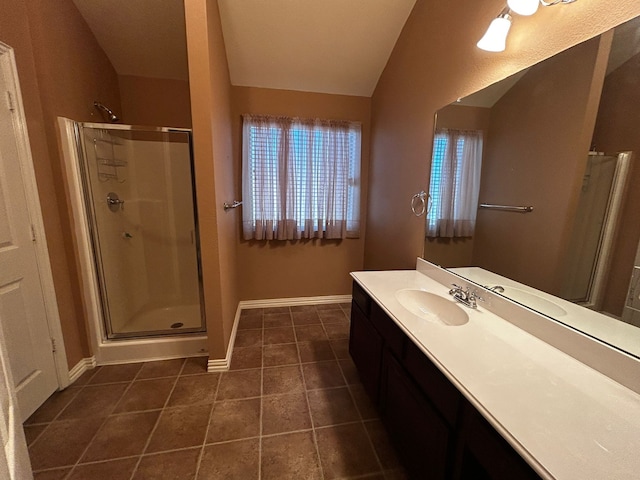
(140, 195)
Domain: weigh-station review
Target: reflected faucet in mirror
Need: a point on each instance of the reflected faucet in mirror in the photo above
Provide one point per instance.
(562, 136)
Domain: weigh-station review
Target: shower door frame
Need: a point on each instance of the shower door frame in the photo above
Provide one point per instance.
(113, 351)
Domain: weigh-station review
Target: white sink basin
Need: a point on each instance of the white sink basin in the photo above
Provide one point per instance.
(432, 307)
(535, 302)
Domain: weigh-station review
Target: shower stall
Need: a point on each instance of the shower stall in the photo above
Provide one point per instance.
(132, 189)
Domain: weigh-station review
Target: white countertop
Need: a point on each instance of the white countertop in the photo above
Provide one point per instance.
(610, 330)
(566, 419)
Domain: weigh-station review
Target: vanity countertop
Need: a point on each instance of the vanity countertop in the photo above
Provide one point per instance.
(566, 419)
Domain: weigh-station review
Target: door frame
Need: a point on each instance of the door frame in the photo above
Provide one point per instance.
(9, 69)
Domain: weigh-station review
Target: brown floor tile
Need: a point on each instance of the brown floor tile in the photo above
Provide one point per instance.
(277, 320)
(251, 312)
(32, 432)
(302, 308)
(345, 306)
(337, 330)
(116, 373)
(234, 420)
(345, 451)
(121, 436)
(248, 357)
(306, 333)
(322, 375)
(93, 401)
(278, 335)
(57, 474)
(111, 470)
(333, 316)
(349, 370)
(282, 380)
(364, 404)
(53, 406)
(194, 389)
(340, 347)
(85, 377)
(177, 465)
(327, 306)
(49, 451)
(332, 407)
(305, 318)
(146, 395)
(290, 456)
(180, 427)
(194, 365)
(163, 368)
(284, 354)
(381, 444)
(248, 338)
(250, 322)
(315, 351)
(239, 384)
(272, 310)
(237, 460)
(285, 413)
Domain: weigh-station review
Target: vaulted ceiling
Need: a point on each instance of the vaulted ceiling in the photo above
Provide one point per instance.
(328, 46)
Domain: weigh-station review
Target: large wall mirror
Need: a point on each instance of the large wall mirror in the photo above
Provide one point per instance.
(562, 137)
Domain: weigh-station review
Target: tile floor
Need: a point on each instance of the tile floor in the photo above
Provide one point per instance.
(291, 407)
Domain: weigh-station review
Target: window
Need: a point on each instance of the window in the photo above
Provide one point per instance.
(455, 183)
(301, 178)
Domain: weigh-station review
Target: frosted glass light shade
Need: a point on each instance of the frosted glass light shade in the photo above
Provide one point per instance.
(524, 7)
(495, 39)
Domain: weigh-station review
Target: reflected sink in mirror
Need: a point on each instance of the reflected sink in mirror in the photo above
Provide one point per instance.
(432, 307)
(534, 301)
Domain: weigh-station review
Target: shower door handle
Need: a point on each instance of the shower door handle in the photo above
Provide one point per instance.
(114, 202)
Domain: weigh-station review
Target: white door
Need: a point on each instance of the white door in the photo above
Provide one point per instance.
(23, 312)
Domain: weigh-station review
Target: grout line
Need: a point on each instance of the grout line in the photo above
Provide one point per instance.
(306, 396)
(206, 432)
(260, 433)
(146, 445)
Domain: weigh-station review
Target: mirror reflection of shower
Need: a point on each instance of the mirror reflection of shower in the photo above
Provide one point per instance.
(140, 199)
(112, 117)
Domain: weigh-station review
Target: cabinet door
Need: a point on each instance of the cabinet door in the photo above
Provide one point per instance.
(365, 347)
(484, 455)
(420, 435)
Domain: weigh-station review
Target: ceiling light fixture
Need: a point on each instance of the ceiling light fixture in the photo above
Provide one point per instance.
(495, 38)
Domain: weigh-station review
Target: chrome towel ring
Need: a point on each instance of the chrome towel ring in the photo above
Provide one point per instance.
(419, 203)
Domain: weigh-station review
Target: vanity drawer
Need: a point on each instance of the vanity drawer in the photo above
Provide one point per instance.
(361, 298)
(440, 391)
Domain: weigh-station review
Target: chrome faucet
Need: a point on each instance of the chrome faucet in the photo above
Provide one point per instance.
(465, 296)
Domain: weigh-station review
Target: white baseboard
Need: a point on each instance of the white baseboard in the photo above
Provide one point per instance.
(292, 302)
(82, 366)
(223, 364)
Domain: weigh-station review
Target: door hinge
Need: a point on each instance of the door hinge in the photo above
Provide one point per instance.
(53, 345)
(33, 233)
(10, 103)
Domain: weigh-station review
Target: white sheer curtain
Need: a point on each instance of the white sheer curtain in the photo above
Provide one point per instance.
(455, 183)
(301, 178)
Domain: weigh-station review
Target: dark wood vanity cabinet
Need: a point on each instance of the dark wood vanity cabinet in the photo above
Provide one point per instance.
(437, 433)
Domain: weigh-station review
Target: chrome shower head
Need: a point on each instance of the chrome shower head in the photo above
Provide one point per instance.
(112, 116)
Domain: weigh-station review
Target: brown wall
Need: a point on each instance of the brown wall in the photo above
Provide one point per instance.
(617, 131)
(211, 117)
(430, 67)
(456, 252)
(536, 154)
(282, 269)
(159, 102)
(62, 71)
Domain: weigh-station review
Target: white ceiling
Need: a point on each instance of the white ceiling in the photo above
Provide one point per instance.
(328, 46)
